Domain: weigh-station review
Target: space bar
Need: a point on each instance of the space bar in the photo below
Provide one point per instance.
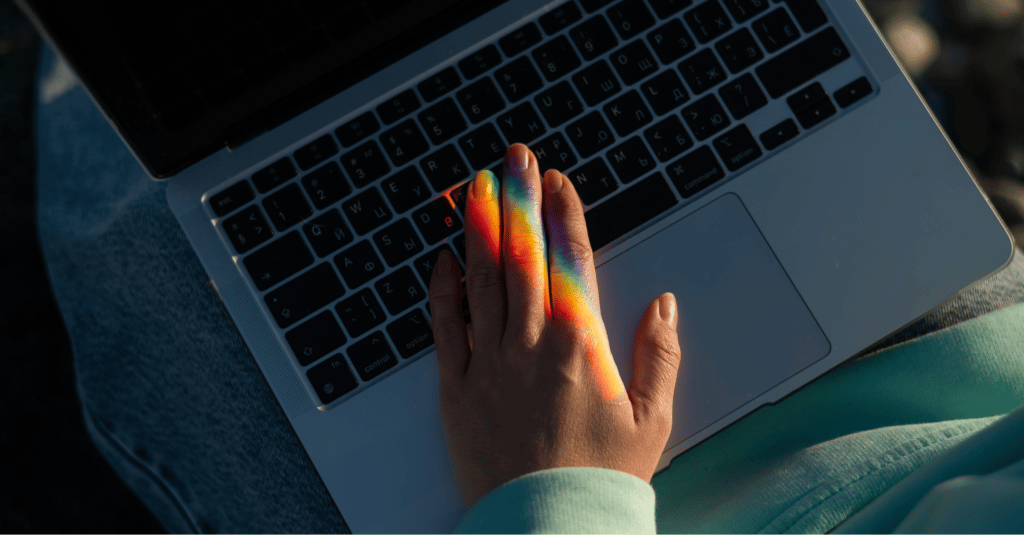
(628, 210)
(800, 64)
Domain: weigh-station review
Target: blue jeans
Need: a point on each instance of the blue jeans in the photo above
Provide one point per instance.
(169, 392)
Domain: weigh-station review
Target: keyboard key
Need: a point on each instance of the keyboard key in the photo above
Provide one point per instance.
(399, 290)
(744, 10)
(326, 185)
(372, 356)
(596, 83)
(737, 148)
(247, 229)
(332, 379)
(425, 264)
(232, 198)
(404, 143)
(593, 181)
(287, 207)
(357, 129)
(458, 197)
(666, 8)
(553, 153)
(776, 30)
(274, 175)
(304, 295)
(480, 62)
(665, 92)
(360, 313)
(366, 211)
(444, 168)
(559, 103)
(634, 62)
(593, 5)
(405, 189)
(816, 114)
(802, 63)
(365, 163)
(743, 96)
(483, 146)
(518, 79)
(779, 134)
(630, 17)
(437, 85)
(593, 38)
(671, 41)
(560, 18)
(808, 13)
(631, 160)
(315, 152)
(398, 106)
(327, 233)
(702, 71)
(626, 211)
(278, 261)
(520, 40)
(398, 242)
(521, 124)
(696, 171)
(627, 113)
(359, 264)
(852, 93)
(480, 100)
(706, 117)
(739, 50)
(437, 220)
(668, 138)
(708, 21)
(442, 121)
(806, 97)
(411, 333)
(315, 338)
(556, 58)
(590, 134)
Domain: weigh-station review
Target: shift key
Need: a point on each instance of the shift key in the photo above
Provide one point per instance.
(628, 210)
(278, 261)
(304, 295)
(802, 62)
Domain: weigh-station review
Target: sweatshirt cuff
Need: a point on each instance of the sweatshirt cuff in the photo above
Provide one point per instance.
(565, 500)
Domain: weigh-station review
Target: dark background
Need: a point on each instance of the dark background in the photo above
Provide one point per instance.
(967, 57)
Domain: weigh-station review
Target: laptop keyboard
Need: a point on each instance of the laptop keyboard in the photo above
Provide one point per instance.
(629, 99)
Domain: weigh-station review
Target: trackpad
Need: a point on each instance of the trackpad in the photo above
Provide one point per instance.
(743, 328)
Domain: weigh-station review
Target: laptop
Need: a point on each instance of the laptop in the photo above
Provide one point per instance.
(766, 161)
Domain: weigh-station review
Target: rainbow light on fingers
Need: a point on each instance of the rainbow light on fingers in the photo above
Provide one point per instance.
(524, 227)
(575, 302)
(483, 211)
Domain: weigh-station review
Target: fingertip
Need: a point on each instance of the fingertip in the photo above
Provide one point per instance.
(518, 158)
(667, 309)
(553, 182)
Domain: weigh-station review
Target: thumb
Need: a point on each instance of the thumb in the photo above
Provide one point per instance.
(656, 357)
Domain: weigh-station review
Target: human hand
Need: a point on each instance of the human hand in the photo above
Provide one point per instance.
(531, 384)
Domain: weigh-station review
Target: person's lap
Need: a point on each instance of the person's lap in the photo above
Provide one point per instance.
(169, 391)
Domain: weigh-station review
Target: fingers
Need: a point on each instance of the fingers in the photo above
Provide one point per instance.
(523, 246)
(656, 358)
(485, 285)
(446, 320)
(574, 298)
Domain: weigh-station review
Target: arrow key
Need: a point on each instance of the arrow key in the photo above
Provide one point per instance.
(817, 113)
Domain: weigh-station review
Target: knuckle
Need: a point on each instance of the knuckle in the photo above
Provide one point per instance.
(525, 251)
(662, 347)
(574, 253)
(482, 277)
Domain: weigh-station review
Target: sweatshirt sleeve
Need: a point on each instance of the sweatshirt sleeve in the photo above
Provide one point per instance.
(565, 500)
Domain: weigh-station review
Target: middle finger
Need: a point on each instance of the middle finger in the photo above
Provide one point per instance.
(523, 245)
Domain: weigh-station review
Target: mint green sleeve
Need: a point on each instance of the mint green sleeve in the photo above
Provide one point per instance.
(565, 500)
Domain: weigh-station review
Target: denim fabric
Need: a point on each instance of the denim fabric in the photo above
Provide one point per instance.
(170, 394)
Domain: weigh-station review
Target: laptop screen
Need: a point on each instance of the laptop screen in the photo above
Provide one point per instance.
(182, 79)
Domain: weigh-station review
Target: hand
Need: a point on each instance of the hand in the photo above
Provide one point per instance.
(532, 384)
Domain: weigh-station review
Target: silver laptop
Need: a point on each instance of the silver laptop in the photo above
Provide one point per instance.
(768, 162)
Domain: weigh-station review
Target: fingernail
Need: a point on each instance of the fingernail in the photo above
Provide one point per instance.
(552, 183)
(667, 308)
(483, 186)
(518, 159)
